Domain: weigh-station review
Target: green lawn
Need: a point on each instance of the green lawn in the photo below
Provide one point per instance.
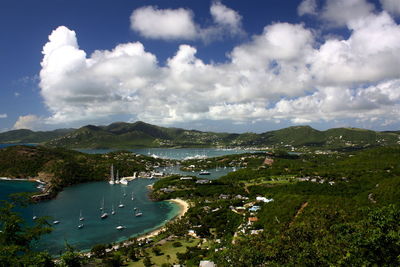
(167, 249)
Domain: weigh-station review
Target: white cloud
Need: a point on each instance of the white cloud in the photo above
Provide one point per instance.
(178, 24)
(27, 122)
(169, 24)
(282, 74)
(341, 12)
(226, 18)
(307, 7)
(3, 116)
(392, 6)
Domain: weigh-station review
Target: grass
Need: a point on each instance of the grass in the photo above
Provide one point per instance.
(166, 249)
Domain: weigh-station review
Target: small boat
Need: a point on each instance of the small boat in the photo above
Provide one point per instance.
(111, 175)
(132, 197)
(34, 217)
(204, 173)
(81, 218)
(104, 215)
(113, 211)
(134, 208)
(138, 213)
(120, 227)
(121, 205)
(56, 222)
(80, 226)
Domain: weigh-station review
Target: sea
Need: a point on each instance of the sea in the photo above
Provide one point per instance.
(86, 200)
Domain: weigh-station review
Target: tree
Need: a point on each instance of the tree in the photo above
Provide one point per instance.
(99, 250)
(16, 238)
(147, 262)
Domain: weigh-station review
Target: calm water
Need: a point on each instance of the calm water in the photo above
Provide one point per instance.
(88, 198)
(18, 144)
(214, 173)
(176, 153)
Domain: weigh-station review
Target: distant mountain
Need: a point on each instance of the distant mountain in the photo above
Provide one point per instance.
(140, 134)
(28, 136)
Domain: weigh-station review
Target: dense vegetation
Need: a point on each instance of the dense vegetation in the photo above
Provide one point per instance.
(335, 209)
(61, 167)
(139, 134)
(313, 209)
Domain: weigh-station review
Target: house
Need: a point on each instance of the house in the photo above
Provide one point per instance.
(222, 196)
(192, 233)
(252, 220)
(254, 208)
(203, 181)
(263, 199)
(207, 264)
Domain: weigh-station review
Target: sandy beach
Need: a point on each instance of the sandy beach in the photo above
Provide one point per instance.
(184, 206)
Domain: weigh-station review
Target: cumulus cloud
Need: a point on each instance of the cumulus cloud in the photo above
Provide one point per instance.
(341, 12)
(27, 122)
(154, 23)
(282, 74)
(178, 24)
(3, 116)
(307, 7)
(392, 6)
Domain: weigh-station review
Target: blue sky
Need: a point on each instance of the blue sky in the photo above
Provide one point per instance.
(211, 65)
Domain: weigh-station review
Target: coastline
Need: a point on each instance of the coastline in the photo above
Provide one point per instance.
(183, 205)
(183, 208)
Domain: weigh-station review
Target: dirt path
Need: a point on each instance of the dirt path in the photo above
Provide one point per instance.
(303, 206)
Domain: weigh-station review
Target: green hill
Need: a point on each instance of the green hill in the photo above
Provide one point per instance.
(28, 136)
(140, 134)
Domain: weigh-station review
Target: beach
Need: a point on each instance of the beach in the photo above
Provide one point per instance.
(183, 205)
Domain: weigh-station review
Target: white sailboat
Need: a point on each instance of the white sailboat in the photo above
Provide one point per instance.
(111, 175)
(121, 205)
(117, 178)
(80, 226)
(81, 218)
(104, 214)
(138, 213)
(113, 211)
(132, 196)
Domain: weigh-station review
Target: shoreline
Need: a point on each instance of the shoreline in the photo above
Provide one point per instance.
(183, 208)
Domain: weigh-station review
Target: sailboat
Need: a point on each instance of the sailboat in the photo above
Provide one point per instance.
(132, 197)
(121, 205)
(117, 178)
(80, 226)
(113, 211)
(102, 205)
(111, 175)
(138, 213)
(120, 227)
(103, 214)
(81, 218)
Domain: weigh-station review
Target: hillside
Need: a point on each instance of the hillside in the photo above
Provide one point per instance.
(61, 167)
(28, 136)
(122, 135)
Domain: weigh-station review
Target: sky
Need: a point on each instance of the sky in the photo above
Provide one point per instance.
(228, 65)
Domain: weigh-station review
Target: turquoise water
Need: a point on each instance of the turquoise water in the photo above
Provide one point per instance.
(88, 198)
(17, 144)
(175, 153)
(11, 187)
(214, 173)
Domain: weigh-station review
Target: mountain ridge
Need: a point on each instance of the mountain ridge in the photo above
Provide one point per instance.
(141, 134)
